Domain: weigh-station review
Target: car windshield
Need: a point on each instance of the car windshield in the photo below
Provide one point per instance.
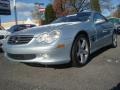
(16, 28)
(82, 17)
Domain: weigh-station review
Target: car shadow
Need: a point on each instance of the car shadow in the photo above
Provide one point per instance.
(116, 87)
(61, 66)
(65, 66)
(98, 52)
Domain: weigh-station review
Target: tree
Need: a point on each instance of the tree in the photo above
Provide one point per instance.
(80, 5)
(95, 5)
(59, 7)
(49, 14)
(65, 7)
(116, 13)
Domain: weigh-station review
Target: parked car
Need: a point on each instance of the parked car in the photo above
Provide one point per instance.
(118, 27)
(68, 39)
(3, 34)
(116, 22)
(19, 27)
(13, 29)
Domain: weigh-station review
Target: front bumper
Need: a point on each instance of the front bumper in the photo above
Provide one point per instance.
(49, 55)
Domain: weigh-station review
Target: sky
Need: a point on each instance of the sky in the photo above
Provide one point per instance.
(24, 8)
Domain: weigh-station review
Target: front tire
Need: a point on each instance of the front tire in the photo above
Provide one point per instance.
(80, 51)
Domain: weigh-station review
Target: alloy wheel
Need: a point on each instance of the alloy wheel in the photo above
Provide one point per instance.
(114, 40)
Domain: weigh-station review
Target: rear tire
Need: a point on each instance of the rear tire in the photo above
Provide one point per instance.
(114, 40)
(80, 51)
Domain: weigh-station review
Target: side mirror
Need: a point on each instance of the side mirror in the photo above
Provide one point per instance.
(98, 21)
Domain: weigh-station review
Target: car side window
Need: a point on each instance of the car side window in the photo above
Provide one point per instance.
(99, 19)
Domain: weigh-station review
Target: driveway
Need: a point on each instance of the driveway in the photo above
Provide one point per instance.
(101, 73)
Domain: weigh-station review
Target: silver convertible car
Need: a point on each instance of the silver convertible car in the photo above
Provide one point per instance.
(68, 39)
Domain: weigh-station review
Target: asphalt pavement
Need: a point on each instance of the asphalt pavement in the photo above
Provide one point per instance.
(101, 73)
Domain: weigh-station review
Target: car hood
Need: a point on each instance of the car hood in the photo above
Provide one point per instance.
(45, 28)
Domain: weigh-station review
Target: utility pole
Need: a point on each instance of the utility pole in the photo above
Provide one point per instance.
(0, 21)
(15, 12)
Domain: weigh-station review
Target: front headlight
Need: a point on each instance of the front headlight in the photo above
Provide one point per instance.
(49, 37)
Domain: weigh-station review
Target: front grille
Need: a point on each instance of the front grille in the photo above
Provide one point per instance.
(20, 39)
(1, 36)
(21, 56)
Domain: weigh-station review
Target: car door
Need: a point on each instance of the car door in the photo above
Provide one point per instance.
(103, 29)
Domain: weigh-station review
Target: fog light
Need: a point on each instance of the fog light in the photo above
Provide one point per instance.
(45, 56)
